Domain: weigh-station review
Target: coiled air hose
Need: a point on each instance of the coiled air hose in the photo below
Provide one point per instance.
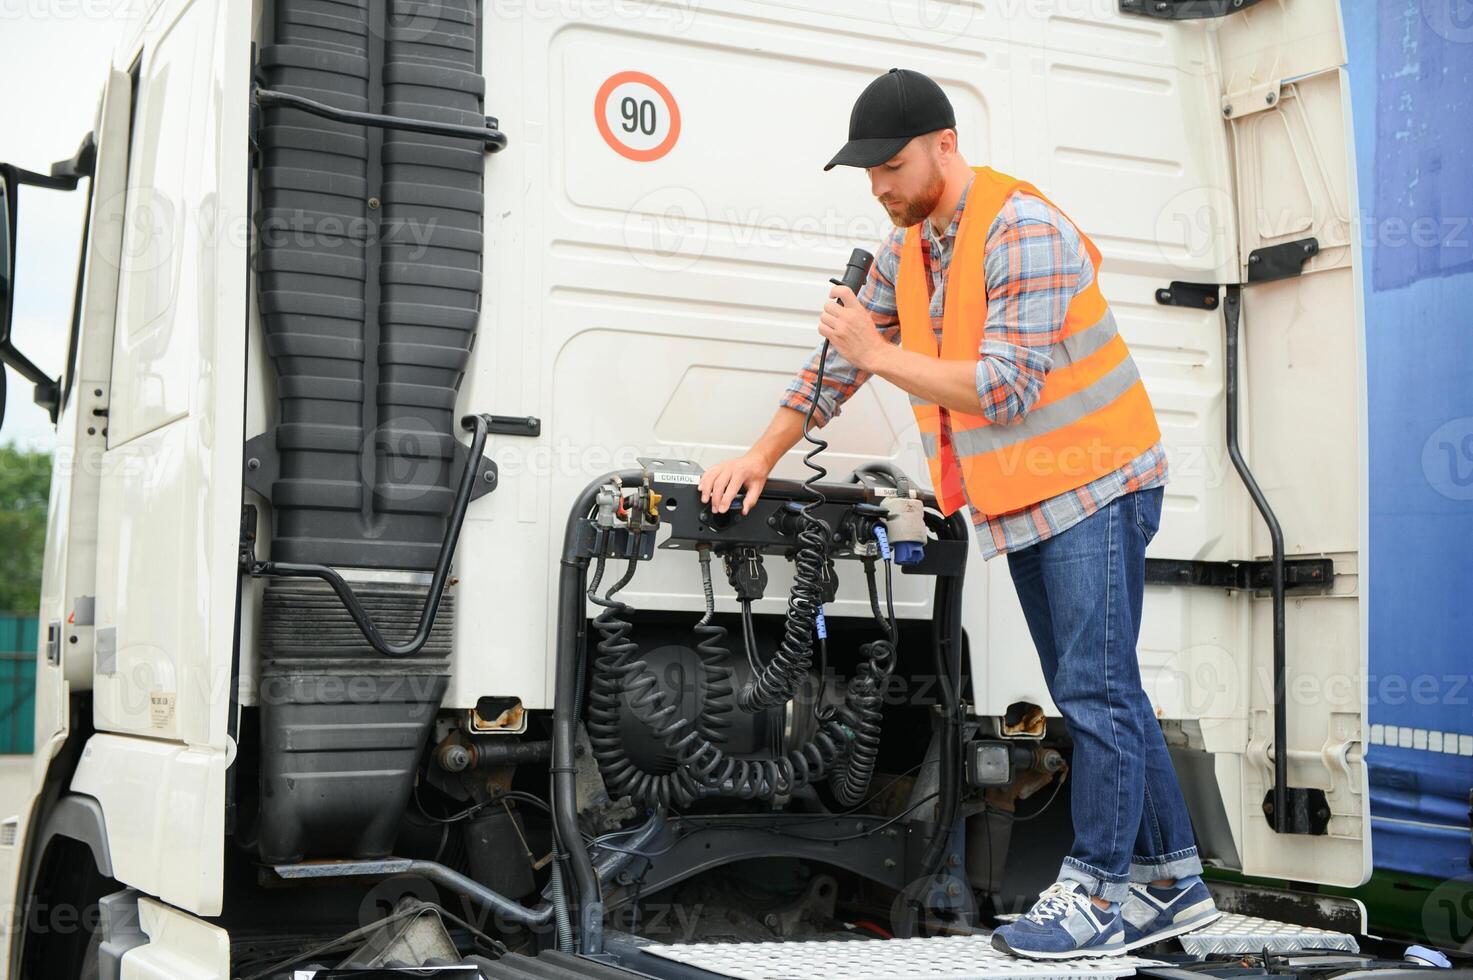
(615, 671)
(702, 766)
(778, 680)
(865, 696)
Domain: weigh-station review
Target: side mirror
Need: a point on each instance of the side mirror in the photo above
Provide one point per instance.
(65, 174)
(7, 273)
(47, 388)
(7, 250)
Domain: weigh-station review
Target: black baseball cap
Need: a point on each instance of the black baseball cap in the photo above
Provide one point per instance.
(892, 110)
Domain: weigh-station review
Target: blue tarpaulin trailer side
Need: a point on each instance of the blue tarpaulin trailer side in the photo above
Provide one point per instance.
(17, 684)
(1411, 77)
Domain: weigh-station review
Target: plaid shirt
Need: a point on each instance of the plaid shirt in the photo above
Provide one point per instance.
(1035, 263)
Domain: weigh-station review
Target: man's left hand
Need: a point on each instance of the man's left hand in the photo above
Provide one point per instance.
(851, 331)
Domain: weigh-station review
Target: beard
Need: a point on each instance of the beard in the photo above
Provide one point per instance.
(914, 211)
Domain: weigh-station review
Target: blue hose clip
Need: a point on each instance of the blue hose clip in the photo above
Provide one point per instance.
(909, 553)
(822, 624)
(904, 552)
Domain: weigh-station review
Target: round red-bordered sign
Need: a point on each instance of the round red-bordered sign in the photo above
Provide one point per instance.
(645, 118)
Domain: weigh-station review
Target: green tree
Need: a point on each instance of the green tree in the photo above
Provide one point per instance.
(25, 484)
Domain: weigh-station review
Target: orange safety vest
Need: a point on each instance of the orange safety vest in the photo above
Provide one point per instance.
(1091, 418)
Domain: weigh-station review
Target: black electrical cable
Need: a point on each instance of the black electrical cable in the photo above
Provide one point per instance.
(1040, 811)
(777, 682)
(870, 832)
(749, 637)
(865, 695)
(947, 643)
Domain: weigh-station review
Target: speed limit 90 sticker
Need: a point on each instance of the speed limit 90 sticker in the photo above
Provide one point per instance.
(637, 116)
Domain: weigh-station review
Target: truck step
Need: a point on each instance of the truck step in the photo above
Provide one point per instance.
(1234, 933)
(938, 958)
(552, 965)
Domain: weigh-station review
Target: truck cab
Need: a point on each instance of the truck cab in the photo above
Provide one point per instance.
(402, 332)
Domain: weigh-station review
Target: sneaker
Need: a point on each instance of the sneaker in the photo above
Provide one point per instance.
(1063, 924)
(1152, 914)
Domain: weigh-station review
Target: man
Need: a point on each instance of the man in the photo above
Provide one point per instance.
(983, 305)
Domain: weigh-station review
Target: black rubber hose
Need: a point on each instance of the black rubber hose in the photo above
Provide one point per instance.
(479, 425)
(563, 769)
(946, 626)
(570, 635)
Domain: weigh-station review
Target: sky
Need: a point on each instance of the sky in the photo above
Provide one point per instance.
(54, 56)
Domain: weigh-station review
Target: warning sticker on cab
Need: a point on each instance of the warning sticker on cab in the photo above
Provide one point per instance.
(637, 116)
(161, 709)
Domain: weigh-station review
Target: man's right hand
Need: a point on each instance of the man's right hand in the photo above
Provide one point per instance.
(746, 474)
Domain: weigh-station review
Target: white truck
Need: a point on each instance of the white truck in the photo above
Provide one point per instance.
(397, 322)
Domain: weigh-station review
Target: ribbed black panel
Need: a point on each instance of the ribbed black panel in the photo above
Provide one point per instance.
(369, 270)
(307, 619)
(342, 728)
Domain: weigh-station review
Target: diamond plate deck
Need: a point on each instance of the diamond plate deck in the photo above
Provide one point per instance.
(1234, 933)
(940, 958)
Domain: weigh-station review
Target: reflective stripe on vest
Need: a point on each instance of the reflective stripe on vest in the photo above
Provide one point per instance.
(1091, 417)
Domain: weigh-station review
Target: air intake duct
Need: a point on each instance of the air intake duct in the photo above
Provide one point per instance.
(368, 261)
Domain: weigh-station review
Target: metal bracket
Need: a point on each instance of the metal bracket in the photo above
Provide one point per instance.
(263, 465)
(514, 425)
(1183, 9)
(1267, 264)
(1197, 295)
(1307, 811)
(1281, 261)
(595, 542)
(1305, 574)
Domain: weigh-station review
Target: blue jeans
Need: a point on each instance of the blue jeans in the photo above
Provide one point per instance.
(1081, 594)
